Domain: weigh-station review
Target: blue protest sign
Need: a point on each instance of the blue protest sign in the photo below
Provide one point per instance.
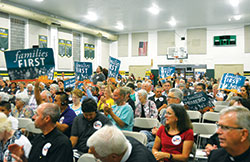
(114, 66)
(80, 86)
(83, 70)
(166, 72)
(30, 63)
(69, 83)
(197, 101)
(231, 82)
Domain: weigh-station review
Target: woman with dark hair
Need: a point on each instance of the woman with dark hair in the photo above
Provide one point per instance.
(99, 76)
(244, 92)
(13, 88)
(174, 141)
(61, 85)
(133, 93)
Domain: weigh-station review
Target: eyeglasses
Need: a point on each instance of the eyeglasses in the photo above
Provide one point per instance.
(225, 128)
(170, 97)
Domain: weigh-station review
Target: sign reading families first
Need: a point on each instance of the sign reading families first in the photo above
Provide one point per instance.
(30, 63)
(166, 72)
(83, 70)
(197, 101)
(231, 82)
(114, 66)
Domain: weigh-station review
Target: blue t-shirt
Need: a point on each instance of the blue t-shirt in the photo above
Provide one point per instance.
(126, 114)
(67, 117)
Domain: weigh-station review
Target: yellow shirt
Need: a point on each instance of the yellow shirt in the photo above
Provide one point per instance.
(109, 101)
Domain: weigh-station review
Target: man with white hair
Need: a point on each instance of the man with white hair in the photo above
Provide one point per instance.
(234, 136)
(41, 96)
(54, 88)
(148, 87)
(110, 145)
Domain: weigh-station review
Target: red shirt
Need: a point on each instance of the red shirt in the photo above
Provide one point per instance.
(174, 143)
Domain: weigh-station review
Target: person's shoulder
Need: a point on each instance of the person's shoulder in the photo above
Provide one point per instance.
(100, 116)
(217, 155)
(139, 152)
(60, 137)
(79, 117)
(161, 128)
(70, 112)
(189, 131)
(127, 106)
(152, 97)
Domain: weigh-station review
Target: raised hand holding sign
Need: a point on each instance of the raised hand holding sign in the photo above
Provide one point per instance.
(114, 66)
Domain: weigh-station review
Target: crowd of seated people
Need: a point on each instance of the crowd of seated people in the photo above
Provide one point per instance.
(84, 110)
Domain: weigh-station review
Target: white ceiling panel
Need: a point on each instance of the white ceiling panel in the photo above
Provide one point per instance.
(135, 16)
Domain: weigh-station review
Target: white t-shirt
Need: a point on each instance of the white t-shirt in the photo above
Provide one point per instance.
(14, 122)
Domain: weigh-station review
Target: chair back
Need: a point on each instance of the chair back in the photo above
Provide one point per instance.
(218, 108)
(141, 137)
(31, 128)
(223, 103)
(146, 123)
(204, 129)
(211, 116)
(194, 115)
(23, 122)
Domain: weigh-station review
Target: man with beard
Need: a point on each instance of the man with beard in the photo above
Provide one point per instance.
(120, 114)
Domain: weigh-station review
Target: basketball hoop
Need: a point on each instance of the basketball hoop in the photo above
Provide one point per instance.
(176, 57)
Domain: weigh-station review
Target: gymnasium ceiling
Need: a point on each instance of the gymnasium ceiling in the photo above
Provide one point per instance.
(134, 15)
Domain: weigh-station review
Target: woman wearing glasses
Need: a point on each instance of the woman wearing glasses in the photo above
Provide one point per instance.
(174, 141)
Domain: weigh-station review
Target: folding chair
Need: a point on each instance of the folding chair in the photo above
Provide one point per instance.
(223, 103)
(204, 130)
(31, 128)
(218, 108)
(194, 115)
(211, 116)
(23, 122)
(87, 158)
(146, 123)
(141, 137)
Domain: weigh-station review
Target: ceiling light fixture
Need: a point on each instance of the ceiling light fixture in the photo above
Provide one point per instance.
(119, 26)
(237, 17)
(154, 9)
(234, 3)
(91, 16)
(172, 22)
(39, 0)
